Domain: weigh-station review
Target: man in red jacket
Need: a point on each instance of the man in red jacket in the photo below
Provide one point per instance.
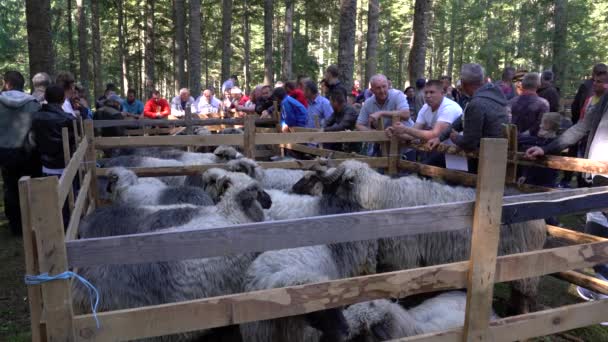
(156, 107)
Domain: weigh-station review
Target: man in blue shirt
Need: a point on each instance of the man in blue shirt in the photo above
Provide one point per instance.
(293, 113)
(132, 105)
(318, 106)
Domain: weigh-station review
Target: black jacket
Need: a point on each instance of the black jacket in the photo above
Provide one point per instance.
(584, 91)
(46, 130)
(110, 113)
(551, 94)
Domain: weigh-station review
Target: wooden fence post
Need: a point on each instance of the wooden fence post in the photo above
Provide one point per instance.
(65, 137)
(47, 222)
(91, 160)
(393, 153)
(484, 242)
(31, 259)
(77, 136)
(510, 132)
(249, 136)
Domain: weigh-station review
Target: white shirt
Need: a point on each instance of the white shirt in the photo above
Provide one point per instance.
(599, 145)
(448, 111)
(67, 107)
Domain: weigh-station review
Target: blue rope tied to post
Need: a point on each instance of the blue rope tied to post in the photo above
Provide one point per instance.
(45, 277)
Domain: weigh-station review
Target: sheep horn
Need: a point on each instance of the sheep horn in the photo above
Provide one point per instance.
(330, 177)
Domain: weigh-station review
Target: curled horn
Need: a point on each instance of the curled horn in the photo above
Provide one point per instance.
(330, 177)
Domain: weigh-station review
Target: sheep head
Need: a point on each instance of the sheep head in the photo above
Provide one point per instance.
(120, 178)
(225, 152)
(216, 182)
(311, 183)
(350, 181)
(379, 320)
(243, 165)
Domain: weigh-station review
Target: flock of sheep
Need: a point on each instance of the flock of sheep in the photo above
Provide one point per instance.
(244, 192)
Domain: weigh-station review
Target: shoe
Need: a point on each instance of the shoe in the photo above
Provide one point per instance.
(587, 294)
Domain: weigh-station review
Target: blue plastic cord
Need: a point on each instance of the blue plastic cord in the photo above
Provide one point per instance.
(45, 277)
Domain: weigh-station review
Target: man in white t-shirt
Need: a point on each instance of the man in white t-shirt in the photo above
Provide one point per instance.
(434, 117)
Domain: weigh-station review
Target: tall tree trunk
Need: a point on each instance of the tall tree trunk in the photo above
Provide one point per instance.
(72, 55)
(247, 41)
(346, 41)
(371, 59)
(268, 52)
(149, 49)
(180, 42)
(96, 38)
(83, 54)
(360, 43)
(39, 37)
(560, 60)
(453, 26)
(122, 27)
(417, 57)
(400, 57)
(176, 82)
(288, 39)
(387, 46)
(226, 38)
(194, 58)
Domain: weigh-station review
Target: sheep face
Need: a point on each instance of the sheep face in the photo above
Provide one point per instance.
(252, 200)
(120, 178)
(243, 165)
(351, 181)
(310, 184)
(225, 152)
(213, 181)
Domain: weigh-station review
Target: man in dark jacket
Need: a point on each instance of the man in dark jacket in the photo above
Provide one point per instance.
(110, 111)
(46, 131)
(584, 91)
(343, 118)
(548, 91)
(16, 156)
(484, 116)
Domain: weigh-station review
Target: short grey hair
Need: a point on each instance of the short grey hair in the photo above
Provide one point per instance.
(531, 81)
(472, 73)
(547, 75)
(184, 90)
(41, 80)
(378, 78)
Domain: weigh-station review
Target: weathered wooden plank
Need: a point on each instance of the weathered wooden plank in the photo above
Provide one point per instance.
(48, 224)
(72, 230)
(322, 152)
(319, 137)
(274, 303)
(91, 159)
(303, 129)
(484, 240)
(160, 123)
(522, 327)
(65, 139)
(257, 237)
(67, 178)
(572, 235)
(249, 136)
(452, 176)
(393, 151)
(577, 278)
(31, 258)
(566, 163)
(185, 140)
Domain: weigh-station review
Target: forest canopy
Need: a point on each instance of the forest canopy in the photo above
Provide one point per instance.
(521, 33)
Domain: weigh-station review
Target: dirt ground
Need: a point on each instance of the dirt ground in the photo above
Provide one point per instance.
(14, 316)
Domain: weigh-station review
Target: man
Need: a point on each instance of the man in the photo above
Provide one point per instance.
(548, 91)
(131, 105)
(296, 93)
(207, 104)
(264, 101)
(594, 125)
(331, 76)
(80, 103)
(111, 111)
(181, 102)
(229, 83)
(356, 91)
(410, 95)
(382, 105)
(293, 114)
(598, 90)
(419, 99)
(584, 91)
(40, 82)
(484, 116)
(318, 106)
(156, 107)
(448, 90)
(66, 80)
(110, 89)
(343, 118)
(16, 159)
(434, 117)
(46, 131)
(528, 108)
(506, 83)
(238, 98)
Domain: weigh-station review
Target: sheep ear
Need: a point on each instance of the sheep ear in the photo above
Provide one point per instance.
(381, 332)
(224, 184)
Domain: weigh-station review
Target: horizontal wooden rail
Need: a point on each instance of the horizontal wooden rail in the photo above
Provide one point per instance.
(180, 140)
(274, 303)
(589, 282)
(321, 152)
(318, 137)
(259, 237)
(523, 327)
(572, 235)
(67, 178)
(72, 230)
(162, 122)
(194, 169)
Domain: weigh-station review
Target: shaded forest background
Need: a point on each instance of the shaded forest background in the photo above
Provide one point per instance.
(175, 43)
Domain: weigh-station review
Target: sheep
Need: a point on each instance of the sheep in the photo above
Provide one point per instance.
(381, 320)
(356, 181)
(280, 179)
(130, 286)
(126, 187)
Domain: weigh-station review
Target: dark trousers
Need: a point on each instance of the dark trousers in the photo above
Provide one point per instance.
(597, 229)
(10, 177)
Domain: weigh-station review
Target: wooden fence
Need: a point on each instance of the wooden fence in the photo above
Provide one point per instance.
(49, 249)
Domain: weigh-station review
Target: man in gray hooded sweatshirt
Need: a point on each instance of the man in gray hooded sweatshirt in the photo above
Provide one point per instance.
(16, 158)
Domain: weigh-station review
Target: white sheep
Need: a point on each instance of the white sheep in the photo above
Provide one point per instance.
(279, 179)
(357, 182)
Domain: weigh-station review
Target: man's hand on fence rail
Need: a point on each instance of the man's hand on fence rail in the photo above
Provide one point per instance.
(534, 153)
